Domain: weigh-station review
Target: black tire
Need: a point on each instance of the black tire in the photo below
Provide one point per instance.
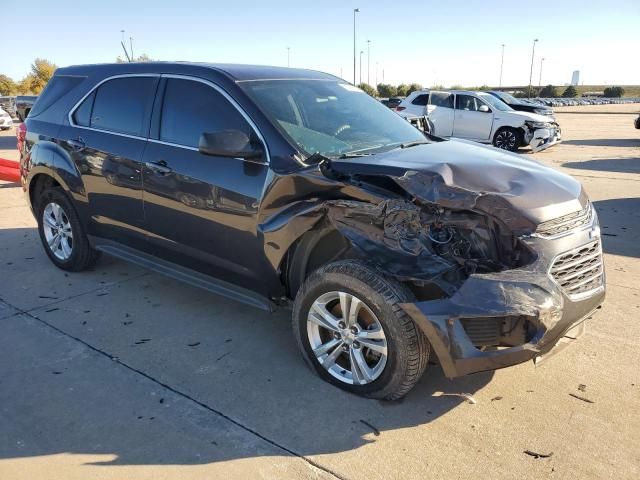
(408, 348)
(508, 138)
(83, 256)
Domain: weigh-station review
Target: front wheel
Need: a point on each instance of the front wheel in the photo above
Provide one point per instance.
(352, 332)
(507, 139)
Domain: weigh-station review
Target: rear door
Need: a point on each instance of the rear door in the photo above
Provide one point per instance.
(106, 139)
(201, 210)
(440, 112)
(470, 122)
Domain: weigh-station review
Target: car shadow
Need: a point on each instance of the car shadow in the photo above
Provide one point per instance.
(617, 165)
(605, 142)
(242, 368)
(620, 225)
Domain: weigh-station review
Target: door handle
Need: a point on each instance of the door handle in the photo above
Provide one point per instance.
(77, 145)
(160, 167)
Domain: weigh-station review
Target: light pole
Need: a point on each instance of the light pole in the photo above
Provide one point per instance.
(355, 10)
(533, 53)
(361, 52)
(131, 47)
(501, 63)
(376, 86)
(368, 62)
(540, 79)
(288, 57)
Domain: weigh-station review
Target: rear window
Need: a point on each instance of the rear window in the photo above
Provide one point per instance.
(121, 105)
(421, 100)
(57, 87)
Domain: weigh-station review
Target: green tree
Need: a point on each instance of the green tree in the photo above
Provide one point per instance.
(41, 72)
(413, 87)
(402, 90)
(548, 92)
(615, 92)
(25, 85)
(570, 92)
(367, 89)
(386, 90)
(7, 86)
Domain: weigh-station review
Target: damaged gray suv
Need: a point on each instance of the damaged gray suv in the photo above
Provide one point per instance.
(291, 187)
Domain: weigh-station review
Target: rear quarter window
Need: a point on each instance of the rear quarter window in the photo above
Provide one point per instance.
(421, 100)
(57, 87)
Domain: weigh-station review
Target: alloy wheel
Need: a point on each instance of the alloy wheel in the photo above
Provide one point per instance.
(506, 140)
(57, 231)
(347, 338)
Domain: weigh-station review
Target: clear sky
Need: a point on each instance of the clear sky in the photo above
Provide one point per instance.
(428, 42)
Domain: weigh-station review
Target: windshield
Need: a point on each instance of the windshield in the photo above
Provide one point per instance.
(331, 118)
(495, 102)
(507, 98)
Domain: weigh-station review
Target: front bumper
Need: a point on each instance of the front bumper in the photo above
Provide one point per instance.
(529, 293)
(544, 138)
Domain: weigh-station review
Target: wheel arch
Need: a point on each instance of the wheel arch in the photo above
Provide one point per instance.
(315, 248)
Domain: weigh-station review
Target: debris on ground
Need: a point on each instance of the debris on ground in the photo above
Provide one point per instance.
(142, 341)
(195, 344)
(584, 399)
(496, 398)
(222, 356)
(582, 387)
(376, 432)
(533, 454)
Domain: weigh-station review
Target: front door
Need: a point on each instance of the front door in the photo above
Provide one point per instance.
(201, 210)
(106, 140)
(440, 112)
(473, 118)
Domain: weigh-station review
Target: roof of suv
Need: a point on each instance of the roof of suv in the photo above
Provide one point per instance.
(235, 72)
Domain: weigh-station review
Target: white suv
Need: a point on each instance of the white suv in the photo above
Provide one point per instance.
(480, 117)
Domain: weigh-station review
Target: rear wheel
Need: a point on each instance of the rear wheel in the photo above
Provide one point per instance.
(62, 233)
(352, 332)
(507, 139)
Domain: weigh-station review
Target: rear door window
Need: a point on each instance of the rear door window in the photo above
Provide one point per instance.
(441, 99)
(121, 105)
(191, 108)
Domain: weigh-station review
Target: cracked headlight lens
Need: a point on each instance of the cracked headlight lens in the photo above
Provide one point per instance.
(532, 124)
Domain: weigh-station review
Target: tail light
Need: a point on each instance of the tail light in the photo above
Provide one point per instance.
(399, 109)
(21, 133)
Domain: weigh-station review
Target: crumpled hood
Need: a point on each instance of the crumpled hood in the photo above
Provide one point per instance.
(459, 174)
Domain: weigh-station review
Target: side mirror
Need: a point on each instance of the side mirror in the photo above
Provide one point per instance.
(229, 143)
(484, 109)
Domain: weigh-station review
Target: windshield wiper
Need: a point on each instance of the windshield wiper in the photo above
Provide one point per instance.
(354, 155)
(413, 144)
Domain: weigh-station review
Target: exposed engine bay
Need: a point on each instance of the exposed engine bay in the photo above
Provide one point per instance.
(425, 243)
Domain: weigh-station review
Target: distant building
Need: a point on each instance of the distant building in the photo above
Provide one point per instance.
(575, 78)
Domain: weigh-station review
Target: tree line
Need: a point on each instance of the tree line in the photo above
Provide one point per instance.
(40, 73)
(32, 83)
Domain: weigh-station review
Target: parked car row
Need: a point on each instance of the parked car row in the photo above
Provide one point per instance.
(572, 102)
(483, 117)
(18, 106)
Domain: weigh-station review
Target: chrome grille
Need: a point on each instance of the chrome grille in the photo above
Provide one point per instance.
(579, 271)
(566, 223)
